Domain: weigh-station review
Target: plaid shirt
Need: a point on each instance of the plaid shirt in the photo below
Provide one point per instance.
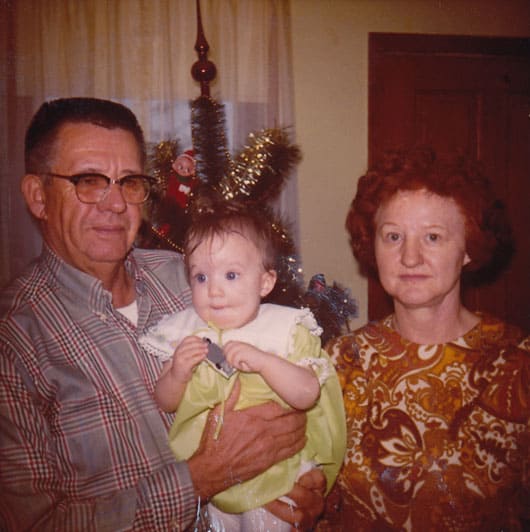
(83, 445)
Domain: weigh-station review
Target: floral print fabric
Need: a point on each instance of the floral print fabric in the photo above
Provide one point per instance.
(438, 436)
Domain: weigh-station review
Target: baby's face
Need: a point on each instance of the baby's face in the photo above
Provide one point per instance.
(184, 166)
(228, 280)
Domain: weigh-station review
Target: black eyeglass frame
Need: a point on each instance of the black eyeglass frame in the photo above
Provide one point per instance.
(76, 178)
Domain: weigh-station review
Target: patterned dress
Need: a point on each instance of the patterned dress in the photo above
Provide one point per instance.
(438, 435)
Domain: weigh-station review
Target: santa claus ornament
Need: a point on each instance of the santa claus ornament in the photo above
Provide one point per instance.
(181, 179)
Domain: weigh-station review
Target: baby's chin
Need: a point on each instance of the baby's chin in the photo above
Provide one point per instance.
(224, 323)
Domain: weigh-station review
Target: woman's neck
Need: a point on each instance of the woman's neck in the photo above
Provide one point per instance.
(433, 325)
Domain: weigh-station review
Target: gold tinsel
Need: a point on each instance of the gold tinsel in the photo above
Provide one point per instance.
(160, 160)
(261, 167)
(257, 172)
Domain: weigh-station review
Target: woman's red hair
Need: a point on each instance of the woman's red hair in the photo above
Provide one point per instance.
(487, 228)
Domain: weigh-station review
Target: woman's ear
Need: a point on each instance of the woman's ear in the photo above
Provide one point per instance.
(268, 280)
(32, 188)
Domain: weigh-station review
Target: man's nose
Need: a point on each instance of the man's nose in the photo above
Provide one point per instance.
(113, 199)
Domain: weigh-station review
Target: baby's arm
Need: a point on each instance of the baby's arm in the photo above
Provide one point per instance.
(176, 372)
(297, 385)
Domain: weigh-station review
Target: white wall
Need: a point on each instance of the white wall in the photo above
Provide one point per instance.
(330, 47)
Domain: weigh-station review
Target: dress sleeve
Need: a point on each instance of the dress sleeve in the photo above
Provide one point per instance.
(344, 352)
(326, 428)
(308, 353)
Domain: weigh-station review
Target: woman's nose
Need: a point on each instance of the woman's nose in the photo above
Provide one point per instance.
(411, 254)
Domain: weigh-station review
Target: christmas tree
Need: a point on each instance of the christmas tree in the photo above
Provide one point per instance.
(256, 174)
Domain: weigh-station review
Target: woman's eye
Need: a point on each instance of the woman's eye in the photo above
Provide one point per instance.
(433, 237)
(231, 276)
(392, 237)
(200, 278)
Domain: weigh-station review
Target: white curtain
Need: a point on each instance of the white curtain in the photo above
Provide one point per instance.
(140, 53)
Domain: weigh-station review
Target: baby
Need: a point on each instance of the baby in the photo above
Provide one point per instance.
(273, 350)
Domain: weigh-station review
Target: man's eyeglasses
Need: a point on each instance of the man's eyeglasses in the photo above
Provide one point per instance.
(93, 187)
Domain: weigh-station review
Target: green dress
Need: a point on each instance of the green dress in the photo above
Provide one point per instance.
(292, 333)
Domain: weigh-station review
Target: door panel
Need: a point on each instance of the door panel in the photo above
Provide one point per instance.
(468, 95)
(435, 107)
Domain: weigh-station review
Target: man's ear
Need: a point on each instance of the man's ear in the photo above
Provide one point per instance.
(268, 280)
(32, 188)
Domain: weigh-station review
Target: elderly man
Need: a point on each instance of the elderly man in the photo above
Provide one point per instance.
(82, 444)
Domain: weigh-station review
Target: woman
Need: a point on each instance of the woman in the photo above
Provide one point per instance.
(437, 397)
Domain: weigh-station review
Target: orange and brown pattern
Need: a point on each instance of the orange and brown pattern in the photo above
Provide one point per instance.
(438, 436)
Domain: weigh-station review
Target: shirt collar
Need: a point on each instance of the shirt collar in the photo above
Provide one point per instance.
(80, 288)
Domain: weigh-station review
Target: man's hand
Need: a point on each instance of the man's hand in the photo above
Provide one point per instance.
(251, 440)
(308, 495)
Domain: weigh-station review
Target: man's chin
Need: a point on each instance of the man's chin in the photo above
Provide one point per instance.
(108, 254)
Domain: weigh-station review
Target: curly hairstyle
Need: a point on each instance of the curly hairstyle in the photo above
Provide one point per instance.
(486, 223)
(218, 218)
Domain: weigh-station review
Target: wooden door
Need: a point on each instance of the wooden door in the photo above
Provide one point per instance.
(468, 95)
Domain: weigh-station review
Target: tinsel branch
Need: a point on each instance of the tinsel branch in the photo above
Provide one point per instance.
(159, 161)
(209, 140)
(289, 285)
(332, 306)
(262, 167)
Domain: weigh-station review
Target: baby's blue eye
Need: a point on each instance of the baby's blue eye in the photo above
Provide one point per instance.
(200, 278)
(231, 276)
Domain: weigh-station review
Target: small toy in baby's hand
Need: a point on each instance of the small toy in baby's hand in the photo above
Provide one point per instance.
(217, 360)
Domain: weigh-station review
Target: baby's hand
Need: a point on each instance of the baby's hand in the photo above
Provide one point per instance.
(245, 357)
(189, 353)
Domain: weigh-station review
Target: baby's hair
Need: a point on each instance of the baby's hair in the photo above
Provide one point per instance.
(222, 217)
